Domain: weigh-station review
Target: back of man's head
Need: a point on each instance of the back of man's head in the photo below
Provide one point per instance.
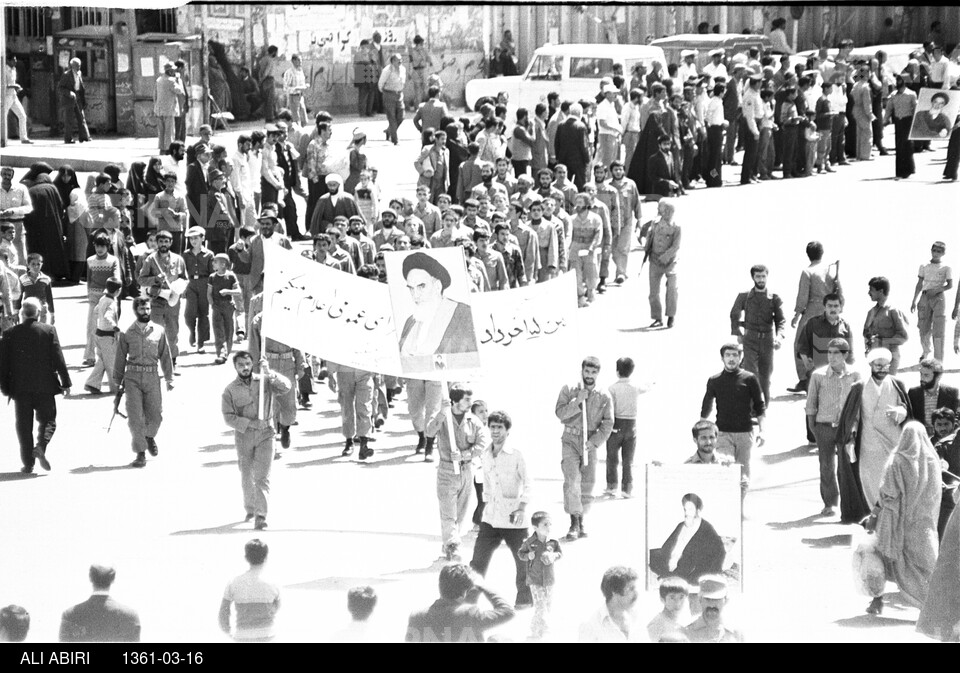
(455, 581)
(14, 624)
(102, 576)
(255, 552)
(360, 602)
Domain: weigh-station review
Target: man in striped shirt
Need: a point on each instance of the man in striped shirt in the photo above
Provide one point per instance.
(255, 600)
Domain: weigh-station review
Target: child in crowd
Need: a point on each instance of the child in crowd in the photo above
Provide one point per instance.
(824, 114)
(35, 283)
(541, 553)
(105, 339)
(222, 288)
(673, 594)
(810, 140)
(623, 439)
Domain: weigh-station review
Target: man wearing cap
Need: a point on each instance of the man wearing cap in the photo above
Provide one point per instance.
(159, 271)
(198, 186)
(334, 203)
(166, 105)
(885, 326)
(867, 433)
(579, 444)
(199, 264)
(688, 66)
(709, 626)
(752, 108)
(365, 250)
(826, 395)
(269, 223)
(168, 210)
(141, 348)
(392, 81)
(715, 68)
(440, 332)
(389, 233)
(610, 131)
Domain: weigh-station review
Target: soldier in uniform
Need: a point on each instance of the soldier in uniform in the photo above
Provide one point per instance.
(586, 238)
(240, 405)
(419, 62)
(286, 361)
(453, 489)
(709, 627)
(159, 270)
(354, 389)
(609, 198)
(140, 350)
(578, 476)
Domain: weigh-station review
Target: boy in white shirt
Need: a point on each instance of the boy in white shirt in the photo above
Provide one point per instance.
(105, 339)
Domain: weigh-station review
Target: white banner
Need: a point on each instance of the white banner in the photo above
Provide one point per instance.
(349, 320)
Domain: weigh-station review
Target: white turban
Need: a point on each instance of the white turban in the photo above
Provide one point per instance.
(879, 354)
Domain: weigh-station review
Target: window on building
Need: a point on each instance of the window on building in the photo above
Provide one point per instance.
(77, 17)
(546, 68)
(156, 21)
(27, 21)
(590, 68)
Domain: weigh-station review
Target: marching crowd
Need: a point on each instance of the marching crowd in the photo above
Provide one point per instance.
(561, 192)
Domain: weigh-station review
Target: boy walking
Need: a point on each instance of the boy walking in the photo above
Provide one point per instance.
(105, 339)
(199, 264)
(824, 116)
(624, 436)
(221, 290)
(35, 283)
(674, 592)
(540, 553)
(933, 280)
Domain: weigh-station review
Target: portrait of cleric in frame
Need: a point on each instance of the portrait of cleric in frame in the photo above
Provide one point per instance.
(935, 115)
(435, 327)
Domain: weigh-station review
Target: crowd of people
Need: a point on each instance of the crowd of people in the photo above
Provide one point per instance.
(560, 192)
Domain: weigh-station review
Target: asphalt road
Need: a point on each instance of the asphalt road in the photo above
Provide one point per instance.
(173, 529)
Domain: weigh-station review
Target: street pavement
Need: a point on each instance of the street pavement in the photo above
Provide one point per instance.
(174, 529)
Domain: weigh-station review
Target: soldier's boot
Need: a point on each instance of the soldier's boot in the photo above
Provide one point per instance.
(428, 450)
(141, 460)
(365, 451)
(582, 533)
(347, 447)
(421, 442)
(574, 532)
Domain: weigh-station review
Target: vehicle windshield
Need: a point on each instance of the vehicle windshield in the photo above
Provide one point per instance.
(545, 68)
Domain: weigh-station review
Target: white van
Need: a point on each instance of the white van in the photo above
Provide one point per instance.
(572, 70)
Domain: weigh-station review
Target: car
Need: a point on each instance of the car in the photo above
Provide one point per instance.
(732, 43)
(572, 70)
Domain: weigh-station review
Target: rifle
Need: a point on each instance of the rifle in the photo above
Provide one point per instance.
(116, 408)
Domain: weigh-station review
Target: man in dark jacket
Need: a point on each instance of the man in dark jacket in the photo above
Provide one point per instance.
(454, 618)
(572, 147)
(100, 619)
(662, 171)
(198, 186)
(930, 389)
(33, 373)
